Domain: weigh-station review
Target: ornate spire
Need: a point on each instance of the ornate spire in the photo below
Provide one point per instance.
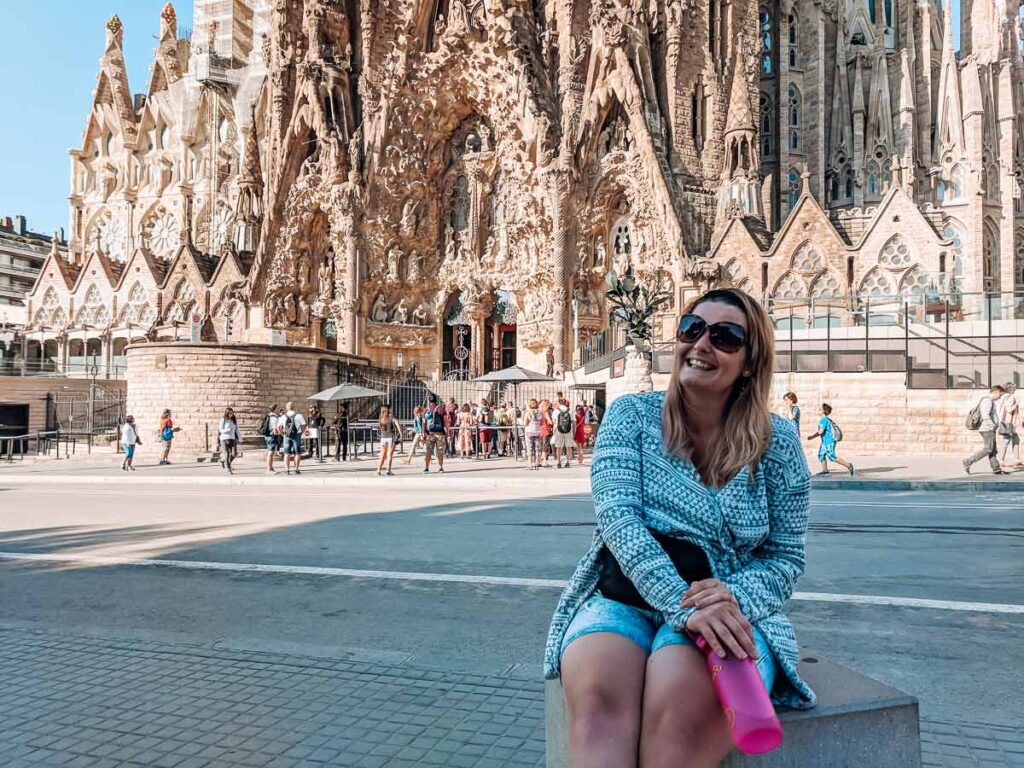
(115, 32)
(741, 111)
(168, 22)
(950, 133)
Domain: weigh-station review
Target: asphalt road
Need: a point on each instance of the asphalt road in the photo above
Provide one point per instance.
(965, 665)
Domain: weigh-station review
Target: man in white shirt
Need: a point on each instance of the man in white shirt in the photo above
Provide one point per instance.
(989, 419)
(129, 439)
(292, 425)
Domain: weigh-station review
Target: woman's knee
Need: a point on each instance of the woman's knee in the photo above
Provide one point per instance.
(601, 712)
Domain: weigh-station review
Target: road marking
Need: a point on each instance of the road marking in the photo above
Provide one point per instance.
(454, 578)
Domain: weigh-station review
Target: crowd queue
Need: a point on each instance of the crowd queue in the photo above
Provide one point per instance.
(541, 430)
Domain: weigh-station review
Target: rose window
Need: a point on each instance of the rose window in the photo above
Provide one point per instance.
(163, 235)
(790, 288)
(896, 253)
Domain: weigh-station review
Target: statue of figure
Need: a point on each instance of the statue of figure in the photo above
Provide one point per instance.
(326, 277)
(438, 26)
(355, 150)
(415, 267)
(599, 254)
(394, 263)
(401, 314)
(289, 309)
(549, 359)
(302, 312)
(533, 256)
(302, 275)
(379, 313)
(458, 19)
(450, 253)
(419, 315)
(408, 226)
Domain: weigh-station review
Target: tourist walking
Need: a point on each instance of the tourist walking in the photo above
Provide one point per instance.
(315, 422)
(340, 425)
(579, 432)
(791, 411)
(129, 439)
(417, 432)
(1009, 428)
(228, 436)
(465, 424)
(532, 418)
(829, 439)
(390, 430)
(435, 431)
(664, 566)
(293, 425)
(166, 434)
(985, 418)
(269, 429)
(561, 440)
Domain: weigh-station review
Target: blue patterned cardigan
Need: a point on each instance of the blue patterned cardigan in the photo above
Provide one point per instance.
(752, 530)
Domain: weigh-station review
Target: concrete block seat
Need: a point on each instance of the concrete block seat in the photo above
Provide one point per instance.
(858, 722)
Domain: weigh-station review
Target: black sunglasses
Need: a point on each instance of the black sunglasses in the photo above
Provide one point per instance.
(725, 337)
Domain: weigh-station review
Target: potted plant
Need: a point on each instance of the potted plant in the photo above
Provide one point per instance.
(635, 305)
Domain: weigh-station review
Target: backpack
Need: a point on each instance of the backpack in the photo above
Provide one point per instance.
(290, 430)
(263, 429)
(837, 433)
(434, 420)
(564, 422)
(166, 433)
(973, 420)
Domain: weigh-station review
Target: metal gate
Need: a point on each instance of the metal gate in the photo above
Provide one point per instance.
(89, 413)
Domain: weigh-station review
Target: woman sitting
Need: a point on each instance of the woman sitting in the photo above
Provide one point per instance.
(702, 500)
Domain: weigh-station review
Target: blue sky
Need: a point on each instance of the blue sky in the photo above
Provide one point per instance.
(49, 54)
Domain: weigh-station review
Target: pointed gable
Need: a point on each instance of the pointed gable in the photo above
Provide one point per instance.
(950, 134)
(880, 108)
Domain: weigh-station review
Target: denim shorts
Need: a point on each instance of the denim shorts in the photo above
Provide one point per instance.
(129, 451)
(647, 629)
(271, 441)
(293, 445)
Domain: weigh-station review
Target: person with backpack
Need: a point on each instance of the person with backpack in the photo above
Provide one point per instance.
(435, 434)
(984, 418)
(830, 435)
(390, 431)
(270, 430)
(293, 425)
(166, 433)
(228, 436)
(129, 439)
(561, 439)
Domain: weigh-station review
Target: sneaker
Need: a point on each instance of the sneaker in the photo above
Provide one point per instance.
(823, 472)
(967, 467)
(390, 473)
(297, 472)
(1000, 472)
(271, 471)
(851, 470)
(426, 470)
(131, 467)
(441, 470)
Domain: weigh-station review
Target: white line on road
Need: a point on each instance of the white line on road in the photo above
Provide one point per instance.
(312, 570)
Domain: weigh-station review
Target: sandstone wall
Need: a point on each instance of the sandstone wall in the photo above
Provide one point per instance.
(878, 414)
(32, 391)
(198, 381)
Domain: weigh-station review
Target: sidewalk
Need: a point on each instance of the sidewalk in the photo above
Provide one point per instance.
(102, 703)
(880, 473)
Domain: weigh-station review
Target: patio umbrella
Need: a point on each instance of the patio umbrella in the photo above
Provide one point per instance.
(514, 375)
(345, 391)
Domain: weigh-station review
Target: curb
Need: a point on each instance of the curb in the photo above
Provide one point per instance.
(945, 486)
(305, 481)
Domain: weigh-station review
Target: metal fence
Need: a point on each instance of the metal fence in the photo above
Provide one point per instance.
(87, 413)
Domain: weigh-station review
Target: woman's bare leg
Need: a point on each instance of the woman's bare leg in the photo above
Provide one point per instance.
(683, 722)
(603, 678)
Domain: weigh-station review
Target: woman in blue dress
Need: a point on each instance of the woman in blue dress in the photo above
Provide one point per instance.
(702, 499)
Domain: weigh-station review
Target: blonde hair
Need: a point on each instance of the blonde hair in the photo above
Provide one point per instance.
(385, 417)
(748, 427)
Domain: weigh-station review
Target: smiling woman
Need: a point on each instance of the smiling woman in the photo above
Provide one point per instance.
(702, 501)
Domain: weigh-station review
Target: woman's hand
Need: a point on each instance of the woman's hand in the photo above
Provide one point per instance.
(707, 592)
(726, 630)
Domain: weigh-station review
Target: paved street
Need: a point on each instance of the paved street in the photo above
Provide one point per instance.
(156, 625)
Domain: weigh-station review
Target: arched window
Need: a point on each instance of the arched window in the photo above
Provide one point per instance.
(990, 258)
(794, 118)
(956, 183)
(888, 13)
(873, 180)
(1019, 266)
(871, 10)
(792, 41)
(849, 183)
(954, 232)
(767, 42)
(940, 191)
(992, 183)
(767, 128)
(794, 188)
(896, 253)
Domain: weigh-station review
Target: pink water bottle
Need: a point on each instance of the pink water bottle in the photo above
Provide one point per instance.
(755, 726)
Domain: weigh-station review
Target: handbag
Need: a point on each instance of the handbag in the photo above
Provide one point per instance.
(1005, 429)
(689, 560)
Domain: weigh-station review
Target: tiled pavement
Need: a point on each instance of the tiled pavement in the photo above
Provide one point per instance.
(101, 703)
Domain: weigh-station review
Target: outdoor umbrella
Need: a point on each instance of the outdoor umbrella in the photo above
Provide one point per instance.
(514, 375)
(345, 391)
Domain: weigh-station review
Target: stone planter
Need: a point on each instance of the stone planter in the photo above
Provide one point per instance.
(638, 370)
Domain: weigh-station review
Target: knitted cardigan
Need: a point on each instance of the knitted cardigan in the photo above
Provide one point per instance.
(752, 530)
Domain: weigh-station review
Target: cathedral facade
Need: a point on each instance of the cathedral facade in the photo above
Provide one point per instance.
(448, 183)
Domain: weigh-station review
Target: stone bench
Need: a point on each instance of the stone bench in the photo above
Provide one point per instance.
(858, 722)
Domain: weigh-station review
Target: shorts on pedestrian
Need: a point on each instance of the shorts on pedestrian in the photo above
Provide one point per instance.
(129, 451)
(387, 441)
(271, 442)
(647, 629)
(827, 451)
(293, 445)
(434, 443)
(534, 443)
(562, 440)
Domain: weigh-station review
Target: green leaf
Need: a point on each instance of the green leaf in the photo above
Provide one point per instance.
(611, 279)
(628, 284)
